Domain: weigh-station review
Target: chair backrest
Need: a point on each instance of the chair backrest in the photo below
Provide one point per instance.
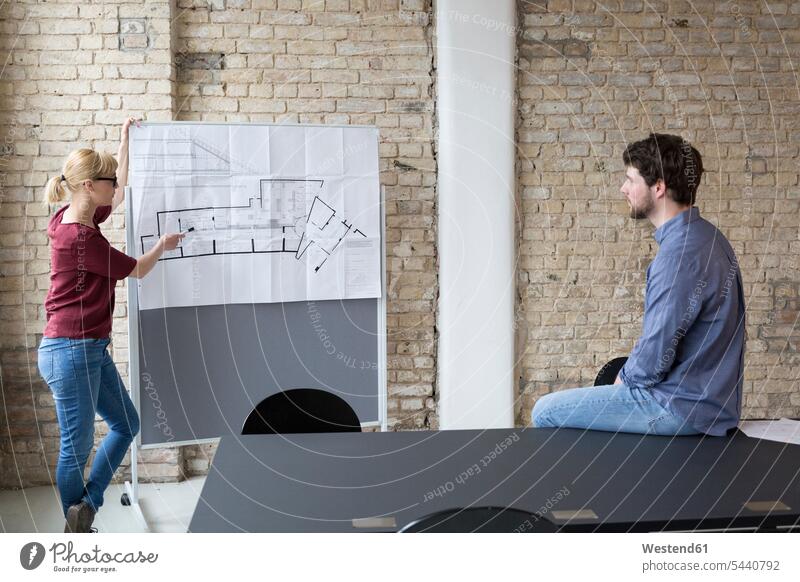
(301, 410)
(481, 520)
(608, 373)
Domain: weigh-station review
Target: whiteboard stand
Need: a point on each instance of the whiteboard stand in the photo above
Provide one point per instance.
(131, 495)
(383, 389)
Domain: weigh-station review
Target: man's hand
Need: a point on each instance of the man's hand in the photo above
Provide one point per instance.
(617, 381)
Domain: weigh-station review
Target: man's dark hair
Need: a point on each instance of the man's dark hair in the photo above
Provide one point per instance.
(670, 158)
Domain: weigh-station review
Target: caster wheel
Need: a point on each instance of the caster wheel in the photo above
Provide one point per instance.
(125, 500)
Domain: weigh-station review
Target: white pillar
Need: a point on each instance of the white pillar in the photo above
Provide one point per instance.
(476, 83)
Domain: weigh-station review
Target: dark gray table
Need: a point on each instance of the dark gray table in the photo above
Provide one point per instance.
(580, 480)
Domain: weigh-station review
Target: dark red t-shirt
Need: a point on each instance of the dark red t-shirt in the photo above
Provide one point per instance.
(84, 269)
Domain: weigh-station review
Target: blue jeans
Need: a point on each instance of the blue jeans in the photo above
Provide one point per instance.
(614, 408)
(84, 382)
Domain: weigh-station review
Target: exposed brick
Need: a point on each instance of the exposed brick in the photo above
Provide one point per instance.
(80, 69)
(636, 81)
(586, 85)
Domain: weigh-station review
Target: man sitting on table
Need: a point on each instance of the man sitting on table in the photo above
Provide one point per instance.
(684, 375)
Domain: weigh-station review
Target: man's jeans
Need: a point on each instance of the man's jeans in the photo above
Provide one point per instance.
(84, 381)
(615, 408)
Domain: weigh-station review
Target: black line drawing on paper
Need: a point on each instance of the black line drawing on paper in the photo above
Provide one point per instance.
(276, 219)
(273, 221)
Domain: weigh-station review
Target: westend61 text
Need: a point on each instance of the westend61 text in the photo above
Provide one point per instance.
(671, 549)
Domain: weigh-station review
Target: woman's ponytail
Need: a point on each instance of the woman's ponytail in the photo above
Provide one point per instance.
(54, 192)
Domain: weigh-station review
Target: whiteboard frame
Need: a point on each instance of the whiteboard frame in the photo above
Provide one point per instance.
(132, 487)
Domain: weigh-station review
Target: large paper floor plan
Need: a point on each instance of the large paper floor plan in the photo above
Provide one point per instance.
(270, 213)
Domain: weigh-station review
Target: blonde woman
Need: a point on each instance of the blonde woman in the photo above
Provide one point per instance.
(73, 355)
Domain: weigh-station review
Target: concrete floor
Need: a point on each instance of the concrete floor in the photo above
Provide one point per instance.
(168, 508)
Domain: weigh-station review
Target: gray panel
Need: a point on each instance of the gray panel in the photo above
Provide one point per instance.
(203, 369)
(323, 482)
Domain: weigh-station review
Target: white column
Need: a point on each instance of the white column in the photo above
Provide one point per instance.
(476, 83)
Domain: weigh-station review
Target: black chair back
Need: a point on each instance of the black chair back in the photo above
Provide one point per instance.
(481, 520)
(608, 373)
(301, 410)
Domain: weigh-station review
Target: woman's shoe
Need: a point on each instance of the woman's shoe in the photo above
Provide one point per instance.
(79, 518)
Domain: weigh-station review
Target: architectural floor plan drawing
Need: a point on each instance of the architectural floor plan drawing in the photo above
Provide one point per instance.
(269, 213)
(274, 222)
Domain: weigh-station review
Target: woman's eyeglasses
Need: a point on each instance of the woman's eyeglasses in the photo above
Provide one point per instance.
(114, 180)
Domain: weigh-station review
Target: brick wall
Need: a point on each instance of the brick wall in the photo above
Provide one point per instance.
(340, 62)
(77, 71)
(74, 71)
(594, 76)
(591, 78)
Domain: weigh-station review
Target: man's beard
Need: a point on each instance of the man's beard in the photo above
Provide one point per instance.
(644, 210)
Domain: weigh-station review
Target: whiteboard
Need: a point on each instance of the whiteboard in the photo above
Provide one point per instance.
(198, 369)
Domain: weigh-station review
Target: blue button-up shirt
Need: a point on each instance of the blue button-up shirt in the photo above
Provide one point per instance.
(691, 351)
